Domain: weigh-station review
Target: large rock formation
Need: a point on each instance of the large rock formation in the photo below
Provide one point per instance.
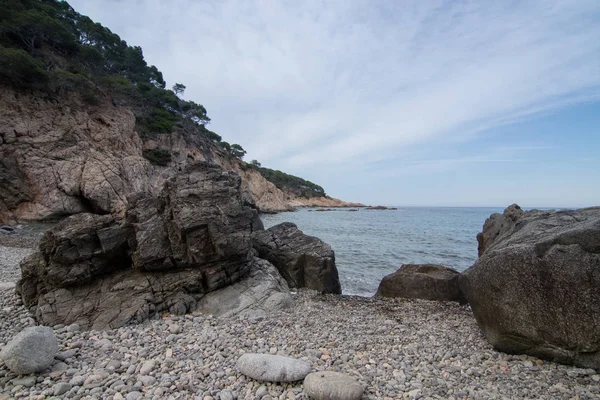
(422, 281)
(497, 225)
(304, 261)
(536, 287)
(170, 250)
(62, 156)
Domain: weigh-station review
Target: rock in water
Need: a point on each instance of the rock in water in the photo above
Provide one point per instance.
(332, 386)
(271, 368)
(422, 281)
(536, 288)
(31, 350)
(263, 289)
(170, 250)
(304, 261)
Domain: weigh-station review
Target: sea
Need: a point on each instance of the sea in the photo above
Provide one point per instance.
(370, 244)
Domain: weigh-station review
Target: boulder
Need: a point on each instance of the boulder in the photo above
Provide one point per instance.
(101, 272)
(536, 289)
(304, 261)
(329, 385)
(263, 291)
(496, 225)
(422, 281)
(31, 350)
(272, 368)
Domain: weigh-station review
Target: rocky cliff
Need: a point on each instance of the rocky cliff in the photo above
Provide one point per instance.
(62, 156)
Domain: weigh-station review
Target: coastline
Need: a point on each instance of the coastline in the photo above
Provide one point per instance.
(395, 348)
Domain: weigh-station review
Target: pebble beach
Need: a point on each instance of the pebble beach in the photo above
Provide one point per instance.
(397, 349)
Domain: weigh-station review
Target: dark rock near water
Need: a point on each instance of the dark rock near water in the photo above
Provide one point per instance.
(170, 250)
(536, 287)
(496, 225)
(304, 261)
(422, 281)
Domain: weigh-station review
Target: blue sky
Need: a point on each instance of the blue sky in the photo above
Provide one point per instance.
(457, 103)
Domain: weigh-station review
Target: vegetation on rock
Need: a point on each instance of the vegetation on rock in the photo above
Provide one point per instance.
(290, 183)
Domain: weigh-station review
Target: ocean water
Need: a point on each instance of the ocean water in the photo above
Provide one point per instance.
(371, 244)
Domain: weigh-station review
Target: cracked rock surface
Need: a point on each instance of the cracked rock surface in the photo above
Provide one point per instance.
(536, 288)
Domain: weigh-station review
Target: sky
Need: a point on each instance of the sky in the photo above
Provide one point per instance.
(394, 102)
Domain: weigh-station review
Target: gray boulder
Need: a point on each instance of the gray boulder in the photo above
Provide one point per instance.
(171, 250)
(263, 290)
(303, 261)
(31, 350)
(536, 288)
(329, 385)
(422, 281)
(496, 225)
(271, 368)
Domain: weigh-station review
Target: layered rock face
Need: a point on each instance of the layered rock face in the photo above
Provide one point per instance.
(536, 287)
(62, 157)
(102, 272)
(422, 281)
(304, 261)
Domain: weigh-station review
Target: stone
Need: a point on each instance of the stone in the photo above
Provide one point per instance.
(271, 368)
(302, 260)
(101, 272)
(263, 290)
(329, 385)
(31, 350)
(27, 381)
(422, 281)
(147, 367)
(61, 388)
(496, 225)
(536, 289)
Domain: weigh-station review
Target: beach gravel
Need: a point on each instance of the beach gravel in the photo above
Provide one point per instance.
(395, 349)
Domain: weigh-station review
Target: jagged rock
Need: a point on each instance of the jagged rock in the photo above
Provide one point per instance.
(536, 288)
(328, 385)
(171, 250)
(496, 225)
(272, 368)
(262, 290)
(62, 156)
(31, 350)
(304, 261)
(422, 281)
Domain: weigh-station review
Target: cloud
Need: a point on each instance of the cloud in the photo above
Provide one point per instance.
(310, 84)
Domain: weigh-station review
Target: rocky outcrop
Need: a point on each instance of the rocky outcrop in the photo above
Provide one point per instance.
(536, 287)
(294, 201)
(102, 272)
(497, 225)
(304, 261)
(62, 156)
(422, 281)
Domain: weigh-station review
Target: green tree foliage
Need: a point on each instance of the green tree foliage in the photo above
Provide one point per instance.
(237, 151)
(160, 157)
(255, 163)
(46, 45)
(298, 186)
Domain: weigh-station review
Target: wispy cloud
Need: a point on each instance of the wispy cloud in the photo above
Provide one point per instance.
(304, 84)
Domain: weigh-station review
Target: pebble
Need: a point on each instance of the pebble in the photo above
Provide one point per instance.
(393, 349)
(329, 385)
(61, 388)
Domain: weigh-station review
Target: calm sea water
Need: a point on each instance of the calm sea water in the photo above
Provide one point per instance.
(369, 245)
